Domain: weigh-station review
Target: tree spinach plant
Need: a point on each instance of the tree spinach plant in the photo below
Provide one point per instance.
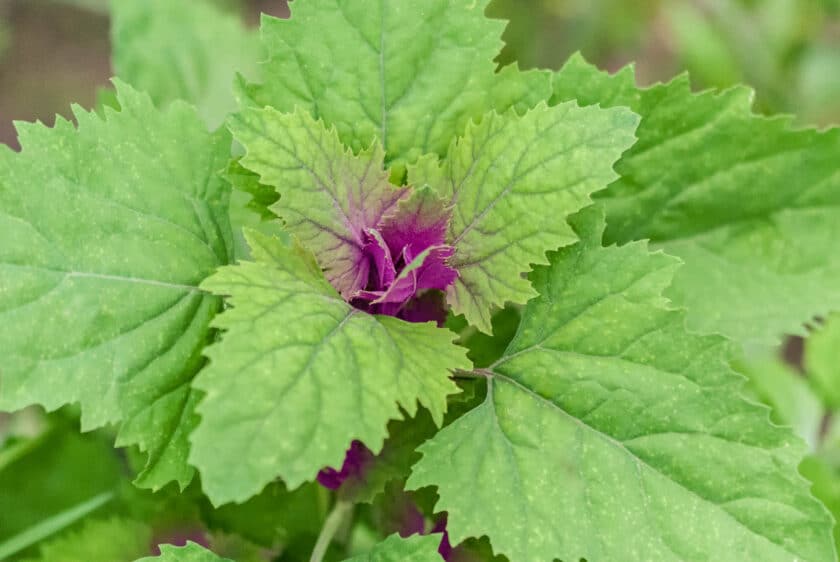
(441, 309)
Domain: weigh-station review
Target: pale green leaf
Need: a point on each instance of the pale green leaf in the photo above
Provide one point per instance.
(189, 553)
(416, 548)
(183, 49)
(299, 374)
(109, 540)
(610, 433)
(411, 75)
(512, 182)
(751, 206)
(822, 360)
(107, 232)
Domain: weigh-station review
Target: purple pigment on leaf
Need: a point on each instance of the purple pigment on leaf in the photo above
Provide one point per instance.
(405, 257)
(356, 460)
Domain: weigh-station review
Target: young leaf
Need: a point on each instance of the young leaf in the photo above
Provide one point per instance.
(189, 553)
(751, 206)
(610, 433)
(411, 77)
(512, 182)
(328, 195)
(183, 50)
(300, 374)
(108, 540)
(107, 231)
(416, 548)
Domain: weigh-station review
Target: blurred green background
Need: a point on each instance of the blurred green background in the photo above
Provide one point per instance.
(53, 52)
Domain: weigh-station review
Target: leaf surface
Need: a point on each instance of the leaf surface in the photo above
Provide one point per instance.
(189, 553)
(299, 374)
(605, 419)
(416, 548)
(410, 75)
(751, 206)
(107, 232)
(512, 180)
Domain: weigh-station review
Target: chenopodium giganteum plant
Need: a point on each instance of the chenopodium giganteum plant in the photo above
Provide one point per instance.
(415, 199)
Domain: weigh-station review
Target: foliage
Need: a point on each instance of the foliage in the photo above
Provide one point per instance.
(477, 313)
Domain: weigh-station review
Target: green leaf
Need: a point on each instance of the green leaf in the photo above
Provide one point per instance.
(110, 540)
(262, 196)
(513, 181)
(299, 374)
(250, 204)
(187, 50)
(107, 232)
(610, 433)
(751, 206)
(374, 69)
(416, 548)
(822, 360)
(189, 553)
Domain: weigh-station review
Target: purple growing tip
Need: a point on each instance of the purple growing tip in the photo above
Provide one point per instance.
(407, 259)
(356, 460)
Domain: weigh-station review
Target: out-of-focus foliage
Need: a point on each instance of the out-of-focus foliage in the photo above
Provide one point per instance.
(788, 50)
(804, 398)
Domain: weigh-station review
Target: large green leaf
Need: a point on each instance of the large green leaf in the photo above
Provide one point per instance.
(751, 206)
(183, 49)
(512, 182)
(299, 374)
(410, 74)
(610, 433)
(107, 232)
(416, 548)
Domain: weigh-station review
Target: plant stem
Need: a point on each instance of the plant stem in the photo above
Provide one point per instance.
(328, 531)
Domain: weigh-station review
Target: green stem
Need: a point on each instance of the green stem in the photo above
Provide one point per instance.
(328, 531)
